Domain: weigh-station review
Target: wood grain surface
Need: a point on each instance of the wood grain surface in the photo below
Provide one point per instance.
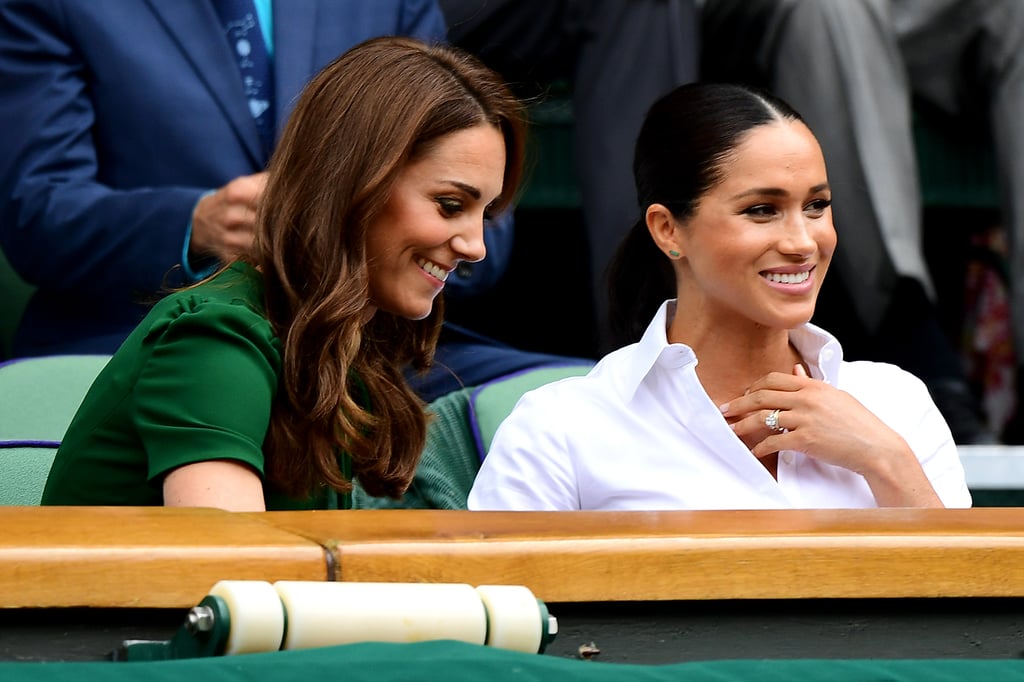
(610, 556)
(144, 556)
(155, 557)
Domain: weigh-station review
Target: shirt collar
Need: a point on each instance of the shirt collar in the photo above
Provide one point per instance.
(819, 349)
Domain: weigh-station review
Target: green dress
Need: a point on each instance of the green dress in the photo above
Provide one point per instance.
(194, 382)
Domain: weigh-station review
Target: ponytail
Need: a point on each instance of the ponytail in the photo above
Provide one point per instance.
(640, 278)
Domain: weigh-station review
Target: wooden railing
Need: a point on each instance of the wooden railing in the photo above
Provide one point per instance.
(154, 557)
(140, 557)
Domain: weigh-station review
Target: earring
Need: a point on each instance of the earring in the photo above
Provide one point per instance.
(673, 253)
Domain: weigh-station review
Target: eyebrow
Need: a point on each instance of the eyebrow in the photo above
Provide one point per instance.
(776, 192)
(468, 189)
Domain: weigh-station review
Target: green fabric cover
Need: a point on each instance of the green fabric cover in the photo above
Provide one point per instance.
(39, 396)
(23, 473)
(458, 661)
(447, 466)
(493, 401)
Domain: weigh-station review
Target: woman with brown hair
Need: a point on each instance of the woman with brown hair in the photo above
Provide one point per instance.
(277, 381)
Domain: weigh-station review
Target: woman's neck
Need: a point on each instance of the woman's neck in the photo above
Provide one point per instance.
(732, 356)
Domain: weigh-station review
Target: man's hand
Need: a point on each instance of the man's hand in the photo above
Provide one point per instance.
(223, 222)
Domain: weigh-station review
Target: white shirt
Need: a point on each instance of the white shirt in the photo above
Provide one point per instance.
(640, 432)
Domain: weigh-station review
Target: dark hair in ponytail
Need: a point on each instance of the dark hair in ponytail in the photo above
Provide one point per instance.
(685, 138)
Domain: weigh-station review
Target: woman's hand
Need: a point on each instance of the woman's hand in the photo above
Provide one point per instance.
(830, 425)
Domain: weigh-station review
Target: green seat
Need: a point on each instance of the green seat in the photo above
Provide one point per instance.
(956, 163)
(553, 181)
(23, 472)
(447, 466)
(462, 420)
(38, 398)
(490, 403)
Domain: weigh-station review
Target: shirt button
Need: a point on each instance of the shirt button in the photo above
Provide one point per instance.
(827, 354)
(787, 458)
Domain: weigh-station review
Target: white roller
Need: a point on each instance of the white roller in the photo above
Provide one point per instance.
(257, 617)
(325, 614)
(513, 616)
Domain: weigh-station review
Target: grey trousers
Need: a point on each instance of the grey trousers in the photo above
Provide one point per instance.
(619, 56)
(851, 67)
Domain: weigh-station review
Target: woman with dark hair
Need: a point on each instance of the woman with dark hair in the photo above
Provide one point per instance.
(278, 380)
(728, 398)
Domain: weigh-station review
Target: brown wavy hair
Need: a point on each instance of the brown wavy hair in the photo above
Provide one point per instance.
(358, 123)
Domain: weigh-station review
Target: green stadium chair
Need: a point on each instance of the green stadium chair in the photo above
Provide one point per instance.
(23, 472)
(462, 420)
(490, 403)
(447, 466)
(38, 398)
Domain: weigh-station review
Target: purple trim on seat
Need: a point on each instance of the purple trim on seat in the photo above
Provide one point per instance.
(12, 361)
(5, 444)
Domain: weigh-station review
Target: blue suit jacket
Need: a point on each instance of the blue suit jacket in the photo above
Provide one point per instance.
(117, 115)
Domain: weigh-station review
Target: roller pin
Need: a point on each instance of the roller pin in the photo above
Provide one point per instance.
(251, 616)
(200, 619)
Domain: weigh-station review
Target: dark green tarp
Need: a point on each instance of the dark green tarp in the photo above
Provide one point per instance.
(460, 662)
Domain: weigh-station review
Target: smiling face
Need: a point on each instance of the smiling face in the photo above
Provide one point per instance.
(760, 241)
(433, 220)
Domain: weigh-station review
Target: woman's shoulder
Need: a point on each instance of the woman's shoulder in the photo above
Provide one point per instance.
(238, 285)
(580, 395)
(223, 313)
(873, 374)
(883, 387)
(236, 293)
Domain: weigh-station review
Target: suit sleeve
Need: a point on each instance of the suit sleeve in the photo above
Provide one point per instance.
(61, 227)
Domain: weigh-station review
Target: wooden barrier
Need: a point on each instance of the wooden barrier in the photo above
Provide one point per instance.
(155, 557)
(634, 556)
(140, 557)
